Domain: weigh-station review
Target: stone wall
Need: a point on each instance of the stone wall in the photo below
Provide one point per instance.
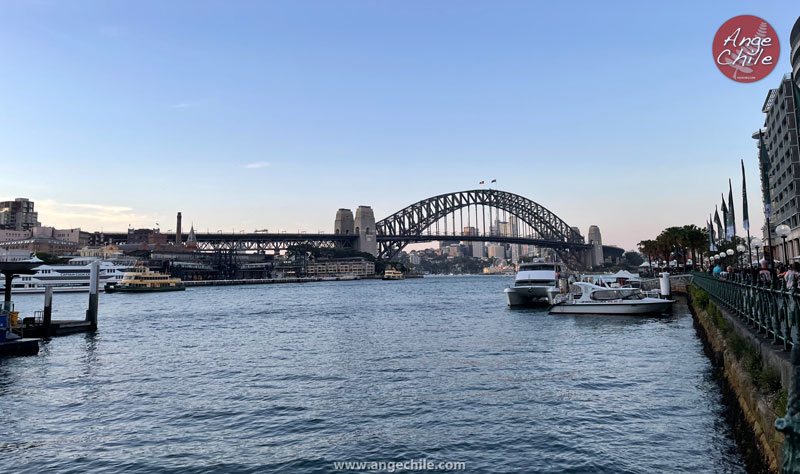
(757, 372)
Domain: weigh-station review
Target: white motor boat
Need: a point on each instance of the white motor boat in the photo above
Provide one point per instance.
(534, 283)
(586, 298)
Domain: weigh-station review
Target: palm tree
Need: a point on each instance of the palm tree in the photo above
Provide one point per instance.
(648, 247)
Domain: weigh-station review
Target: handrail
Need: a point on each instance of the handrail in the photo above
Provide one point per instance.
(769, 308)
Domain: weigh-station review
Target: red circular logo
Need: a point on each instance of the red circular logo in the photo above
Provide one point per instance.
(746, 48)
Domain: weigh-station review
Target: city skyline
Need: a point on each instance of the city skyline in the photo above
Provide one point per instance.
(259, 116)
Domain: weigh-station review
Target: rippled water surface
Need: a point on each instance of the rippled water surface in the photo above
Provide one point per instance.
(290, 378)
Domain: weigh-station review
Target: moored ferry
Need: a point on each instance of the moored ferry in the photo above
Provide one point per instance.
(392, 274)
(69, 278)
(142, 280)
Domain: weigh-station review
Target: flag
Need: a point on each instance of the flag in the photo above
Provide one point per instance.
(719, 224)
(481, 182)
(494, 180)
(730, 225)
(745, 214)
(710, 228)
(724, 221)
(764, 166)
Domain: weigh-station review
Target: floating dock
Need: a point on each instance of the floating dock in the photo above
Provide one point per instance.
(22, 346)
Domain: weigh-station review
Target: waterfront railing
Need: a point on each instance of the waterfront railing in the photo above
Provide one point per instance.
(768, 307)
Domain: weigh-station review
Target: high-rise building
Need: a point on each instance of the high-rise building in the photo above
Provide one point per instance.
(497, 252)
(794, 41)
(781, 165)
(18, 215)
(475, 248)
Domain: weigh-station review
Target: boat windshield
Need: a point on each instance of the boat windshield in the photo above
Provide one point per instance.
(528, 267)
(620, 294)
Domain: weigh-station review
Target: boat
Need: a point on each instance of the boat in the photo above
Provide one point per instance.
(143, 280)
(392, 274)
(586, 298)
(69, 278)
(535, 282)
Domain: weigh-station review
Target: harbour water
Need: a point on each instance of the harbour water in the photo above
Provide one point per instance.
(292, 378)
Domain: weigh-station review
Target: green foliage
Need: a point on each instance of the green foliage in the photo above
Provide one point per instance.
(633, 259)
(780, 402)
(50, 259)
(765, 379)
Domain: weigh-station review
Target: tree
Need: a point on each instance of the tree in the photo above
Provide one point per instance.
(633, 259)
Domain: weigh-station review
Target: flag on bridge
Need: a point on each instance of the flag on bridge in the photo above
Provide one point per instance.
(481, 182)
(730, 225)
(745, 214)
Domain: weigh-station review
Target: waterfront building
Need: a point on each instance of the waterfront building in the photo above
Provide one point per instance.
(106, 251)
(779, 136)
(340, 267)
(146, 236)
(18, 215)
(43, 244)
(414, 258)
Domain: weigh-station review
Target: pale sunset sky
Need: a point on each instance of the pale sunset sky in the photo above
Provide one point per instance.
(250, 114)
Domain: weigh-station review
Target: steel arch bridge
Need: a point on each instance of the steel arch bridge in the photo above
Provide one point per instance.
(423, 220)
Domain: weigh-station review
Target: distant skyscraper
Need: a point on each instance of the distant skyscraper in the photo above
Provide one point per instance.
(18, 215)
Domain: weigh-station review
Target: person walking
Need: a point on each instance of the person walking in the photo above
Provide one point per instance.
(791, 276)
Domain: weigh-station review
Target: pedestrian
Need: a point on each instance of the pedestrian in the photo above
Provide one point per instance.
(791, 276)
(764, 275)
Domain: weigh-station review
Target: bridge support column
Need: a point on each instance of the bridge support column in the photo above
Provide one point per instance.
(365, 229)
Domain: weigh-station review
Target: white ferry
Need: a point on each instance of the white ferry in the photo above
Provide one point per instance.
(69, 278)
(535, 282)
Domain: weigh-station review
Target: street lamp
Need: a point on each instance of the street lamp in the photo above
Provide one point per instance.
(741, 248)
(730, 252)
(757, 243)
(783, 230)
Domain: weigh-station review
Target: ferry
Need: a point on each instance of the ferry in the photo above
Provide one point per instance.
(72, 277)
(142, 280)
(586, 298)
(535, 282)
(392, 274)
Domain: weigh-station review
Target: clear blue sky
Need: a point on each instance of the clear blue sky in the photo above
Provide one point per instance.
(274, 114)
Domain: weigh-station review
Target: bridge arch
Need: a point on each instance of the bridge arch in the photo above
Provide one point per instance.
(414, 220)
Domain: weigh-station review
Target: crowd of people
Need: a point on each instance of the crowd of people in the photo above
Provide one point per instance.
(788, 275)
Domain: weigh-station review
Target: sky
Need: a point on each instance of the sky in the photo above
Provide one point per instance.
(251, 115)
